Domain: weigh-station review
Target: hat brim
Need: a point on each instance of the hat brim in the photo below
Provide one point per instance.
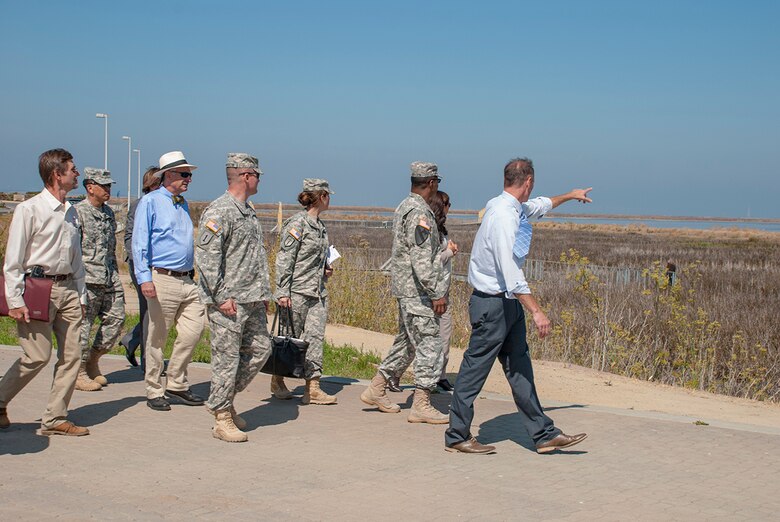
(159, 173)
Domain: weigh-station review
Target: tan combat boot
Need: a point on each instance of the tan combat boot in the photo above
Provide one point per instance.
(314, 395)
(278, 389)
(375, 395)
(93, 370)
(84, 383)
(422, 411)
(237, 419)
(225, 429)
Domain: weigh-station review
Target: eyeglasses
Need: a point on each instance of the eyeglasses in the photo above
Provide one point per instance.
(184, 175)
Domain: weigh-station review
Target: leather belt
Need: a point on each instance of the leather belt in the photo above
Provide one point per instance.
(57, 277)
(483, 294)
(173, 273)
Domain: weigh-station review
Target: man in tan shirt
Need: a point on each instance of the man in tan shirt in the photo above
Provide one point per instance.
(44, 237)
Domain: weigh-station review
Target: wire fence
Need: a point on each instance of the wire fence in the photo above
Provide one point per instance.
(538, 269)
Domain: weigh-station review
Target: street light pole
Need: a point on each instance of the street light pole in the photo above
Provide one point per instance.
(129, 165)
(138, 162)
(105, 138)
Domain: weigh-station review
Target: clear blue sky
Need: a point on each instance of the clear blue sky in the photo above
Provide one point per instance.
(666, 107)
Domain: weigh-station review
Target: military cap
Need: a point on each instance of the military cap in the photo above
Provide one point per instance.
(315, 184)
(420, 169)
(242, 160)
(99, 176)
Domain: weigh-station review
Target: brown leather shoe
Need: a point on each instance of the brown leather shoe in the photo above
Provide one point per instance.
(559, 442)
(4, 422)
(470, 446)
(66, 428)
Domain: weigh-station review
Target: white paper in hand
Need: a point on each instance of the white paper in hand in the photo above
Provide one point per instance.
(333, 254)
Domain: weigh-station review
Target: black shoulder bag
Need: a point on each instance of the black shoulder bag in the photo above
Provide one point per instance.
(288, 353)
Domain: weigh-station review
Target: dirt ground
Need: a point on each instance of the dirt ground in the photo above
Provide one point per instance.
(572, 384)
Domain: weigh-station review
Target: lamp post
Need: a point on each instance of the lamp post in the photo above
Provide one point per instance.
(105, 139)
(129, 164)
(138, 162)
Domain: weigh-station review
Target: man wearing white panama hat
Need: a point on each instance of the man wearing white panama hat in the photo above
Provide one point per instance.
(163, 255)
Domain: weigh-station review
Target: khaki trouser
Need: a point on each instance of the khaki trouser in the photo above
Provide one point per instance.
(35, 339)
(177, 303)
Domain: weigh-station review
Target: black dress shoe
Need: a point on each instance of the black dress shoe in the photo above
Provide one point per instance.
(470, 446)
(392, 384)
(159, 404)
(129, 354)
(559, 442)
(187, 397)
(445, 385)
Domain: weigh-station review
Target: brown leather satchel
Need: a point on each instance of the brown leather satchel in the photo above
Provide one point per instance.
(37, 295)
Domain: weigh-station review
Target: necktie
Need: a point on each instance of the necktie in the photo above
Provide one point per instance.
(523, 238)
(178, 200)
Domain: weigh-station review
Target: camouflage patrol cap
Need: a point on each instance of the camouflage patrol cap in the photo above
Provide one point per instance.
(99, 176)
(315, 184)
(420, 169)
(242, 160)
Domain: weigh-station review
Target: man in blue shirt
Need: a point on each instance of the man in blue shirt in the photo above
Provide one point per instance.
(496, 314)
(163, 254)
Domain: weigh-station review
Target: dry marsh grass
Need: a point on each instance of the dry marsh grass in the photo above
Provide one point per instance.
(716, 329)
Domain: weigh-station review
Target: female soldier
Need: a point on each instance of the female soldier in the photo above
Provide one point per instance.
(301, 273)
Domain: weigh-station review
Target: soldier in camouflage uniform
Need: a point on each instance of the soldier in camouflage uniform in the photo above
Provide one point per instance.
(301, 272)
(420, 285)
(105, 297)
(233, 283)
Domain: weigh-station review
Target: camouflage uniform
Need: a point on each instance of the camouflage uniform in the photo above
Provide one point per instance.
(417, 280)
(300, 275)
(105, 297)
(232, 263)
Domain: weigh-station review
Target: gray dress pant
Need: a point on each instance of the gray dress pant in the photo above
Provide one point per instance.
(497, 330)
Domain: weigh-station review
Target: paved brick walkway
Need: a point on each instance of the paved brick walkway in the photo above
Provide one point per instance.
(347, 462)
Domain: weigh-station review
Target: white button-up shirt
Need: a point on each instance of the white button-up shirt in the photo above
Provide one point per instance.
(43, 232)
(493, 268)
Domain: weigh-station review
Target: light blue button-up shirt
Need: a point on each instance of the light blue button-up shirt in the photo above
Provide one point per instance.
(162, 235)
(493, 267)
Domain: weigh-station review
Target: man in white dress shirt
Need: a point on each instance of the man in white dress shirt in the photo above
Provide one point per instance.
(44, 241)
(496, 314)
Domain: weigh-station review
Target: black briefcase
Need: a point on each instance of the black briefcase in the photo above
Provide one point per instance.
(288, 353)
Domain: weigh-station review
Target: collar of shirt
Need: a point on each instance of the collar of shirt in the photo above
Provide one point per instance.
(53, 202)
(419, 198)
(513, 201)
(245, 208)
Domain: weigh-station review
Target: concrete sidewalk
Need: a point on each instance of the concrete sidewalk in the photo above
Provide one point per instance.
(349, 462)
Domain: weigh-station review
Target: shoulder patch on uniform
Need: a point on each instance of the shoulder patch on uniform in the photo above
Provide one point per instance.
(289, 242)
(294, 233)
(424, 224)
(213, 226)
(421, 233)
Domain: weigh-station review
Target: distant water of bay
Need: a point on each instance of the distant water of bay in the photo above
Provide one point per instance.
(769, 226)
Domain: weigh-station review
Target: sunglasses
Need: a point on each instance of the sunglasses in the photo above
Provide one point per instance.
(184, 175)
